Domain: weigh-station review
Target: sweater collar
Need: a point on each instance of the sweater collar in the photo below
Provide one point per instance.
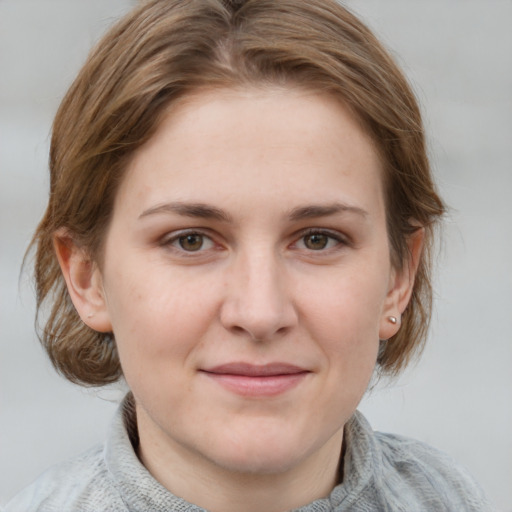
(142, 493)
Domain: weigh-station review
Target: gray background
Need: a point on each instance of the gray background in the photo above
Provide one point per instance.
(458, 398)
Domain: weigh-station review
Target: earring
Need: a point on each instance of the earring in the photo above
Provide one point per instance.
(393, 319)
(90, 315)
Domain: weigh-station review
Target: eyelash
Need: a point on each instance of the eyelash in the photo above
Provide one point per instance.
(174, 238)
(170, 241)
(331, 235)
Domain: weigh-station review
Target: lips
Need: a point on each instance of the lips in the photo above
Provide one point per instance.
(257, 380)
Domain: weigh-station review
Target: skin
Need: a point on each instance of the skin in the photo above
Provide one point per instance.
(284, 191)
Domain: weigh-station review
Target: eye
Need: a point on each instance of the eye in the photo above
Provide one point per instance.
(190, 242)
(316, 241)
(319, 240)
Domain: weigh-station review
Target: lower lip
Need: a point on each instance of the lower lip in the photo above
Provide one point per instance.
(264, 386)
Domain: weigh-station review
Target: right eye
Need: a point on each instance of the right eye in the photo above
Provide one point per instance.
(190, 242)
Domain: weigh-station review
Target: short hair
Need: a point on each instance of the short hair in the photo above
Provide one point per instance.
(162, 51)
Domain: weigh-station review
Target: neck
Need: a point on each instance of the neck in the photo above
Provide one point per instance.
(197, 480)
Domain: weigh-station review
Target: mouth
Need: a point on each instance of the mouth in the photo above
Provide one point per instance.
(250, 380)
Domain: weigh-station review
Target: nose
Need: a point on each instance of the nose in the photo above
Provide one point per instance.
(258, 298)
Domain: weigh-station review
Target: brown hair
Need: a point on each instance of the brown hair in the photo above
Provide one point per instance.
(165, 49)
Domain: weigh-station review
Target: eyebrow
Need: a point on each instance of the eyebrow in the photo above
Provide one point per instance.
(313, 211)
(205, 211)
(199, 210)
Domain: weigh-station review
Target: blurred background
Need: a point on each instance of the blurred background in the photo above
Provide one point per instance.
(458, 55)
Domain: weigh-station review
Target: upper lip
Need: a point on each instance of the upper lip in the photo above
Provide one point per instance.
(255, 370)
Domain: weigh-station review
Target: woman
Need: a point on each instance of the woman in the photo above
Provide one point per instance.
(239, 224)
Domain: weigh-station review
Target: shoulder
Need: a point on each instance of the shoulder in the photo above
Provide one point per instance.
(429, 476)
(81, 484)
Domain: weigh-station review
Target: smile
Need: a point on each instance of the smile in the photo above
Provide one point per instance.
(257, 380)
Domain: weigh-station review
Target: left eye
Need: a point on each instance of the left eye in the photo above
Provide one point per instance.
(318, 241)
(192, 242)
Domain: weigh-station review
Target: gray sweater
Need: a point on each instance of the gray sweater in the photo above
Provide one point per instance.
(382, 472)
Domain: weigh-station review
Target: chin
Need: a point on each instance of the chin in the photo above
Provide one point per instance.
(258, 462)
(262, 451)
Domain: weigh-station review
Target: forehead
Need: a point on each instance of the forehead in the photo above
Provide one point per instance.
(285, 143)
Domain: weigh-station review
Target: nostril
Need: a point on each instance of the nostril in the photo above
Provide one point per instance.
(258, 335)
(238, 330)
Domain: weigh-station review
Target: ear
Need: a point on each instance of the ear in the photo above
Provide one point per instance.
(84, 282)
(401, 284)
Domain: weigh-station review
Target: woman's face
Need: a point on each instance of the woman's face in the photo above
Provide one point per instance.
(247, 278)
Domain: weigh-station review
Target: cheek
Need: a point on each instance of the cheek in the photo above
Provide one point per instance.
(344, 319)
(348, 308)
(344, 324)
(156, 315)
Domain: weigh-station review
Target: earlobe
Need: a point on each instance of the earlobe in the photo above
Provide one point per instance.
(401, 287)
(84, 282)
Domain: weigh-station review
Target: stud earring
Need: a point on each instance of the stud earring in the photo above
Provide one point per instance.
(393, 319)
(90, 315)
